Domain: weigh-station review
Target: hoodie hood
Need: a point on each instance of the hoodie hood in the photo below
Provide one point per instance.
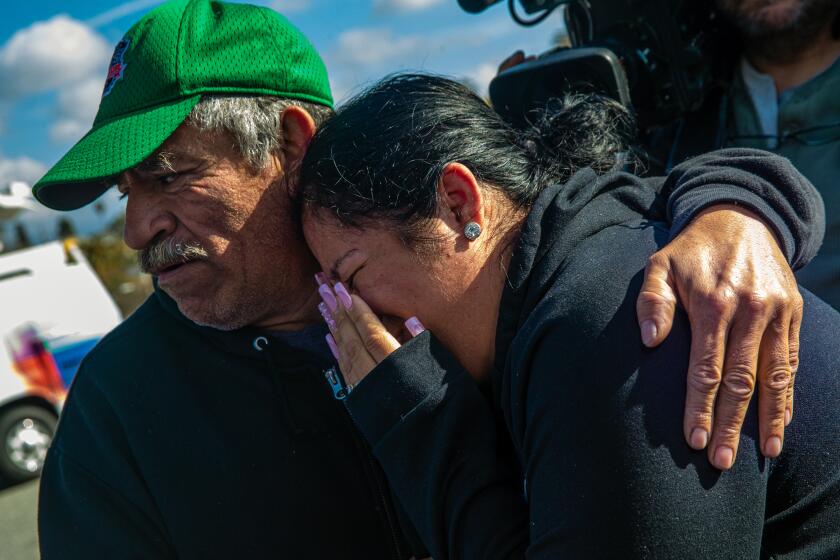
(562, 217)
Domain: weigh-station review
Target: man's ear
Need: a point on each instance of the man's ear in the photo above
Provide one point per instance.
(463, 203)
(298, 129)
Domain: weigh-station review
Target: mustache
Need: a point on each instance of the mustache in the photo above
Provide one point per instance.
(167, 253)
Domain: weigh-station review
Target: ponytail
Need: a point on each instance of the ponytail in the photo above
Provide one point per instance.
(574, 132)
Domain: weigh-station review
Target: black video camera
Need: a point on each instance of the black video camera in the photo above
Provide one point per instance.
(659, 57)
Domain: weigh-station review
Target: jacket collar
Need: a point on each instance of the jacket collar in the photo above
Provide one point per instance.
(542, 233)
(250, 342)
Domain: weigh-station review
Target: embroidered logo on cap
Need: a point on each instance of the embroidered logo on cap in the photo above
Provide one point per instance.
(117, 66)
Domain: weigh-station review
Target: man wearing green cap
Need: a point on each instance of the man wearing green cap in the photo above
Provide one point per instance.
(208, 432)
(203, 426)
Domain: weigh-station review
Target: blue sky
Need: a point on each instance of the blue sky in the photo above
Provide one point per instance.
(54, 54)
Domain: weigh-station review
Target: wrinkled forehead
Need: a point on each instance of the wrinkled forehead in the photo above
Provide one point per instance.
(186, 145)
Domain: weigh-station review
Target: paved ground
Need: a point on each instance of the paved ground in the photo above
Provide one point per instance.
(17, 522)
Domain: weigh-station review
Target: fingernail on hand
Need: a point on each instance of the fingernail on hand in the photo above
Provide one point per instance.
(321, 278)
(699, 438)
(414, 326)
(723, 457)
(649, 331)
(788, 417)
(328, 297)
(343, 295)
(773, 447)
(333, 346)
(325, 313)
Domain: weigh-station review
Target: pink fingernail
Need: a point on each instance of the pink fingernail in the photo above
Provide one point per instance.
(321, 278)
(414, 326)
(343, 295)
(333, 346)
(328, 297)
(325, 313)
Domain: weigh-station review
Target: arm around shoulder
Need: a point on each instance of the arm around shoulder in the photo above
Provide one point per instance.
(763, 182)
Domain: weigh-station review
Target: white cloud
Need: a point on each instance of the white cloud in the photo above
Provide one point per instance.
(60, 54)
(81, 99)
(290, 6)
(397, 6)
(480, 77)
(21, 168)
(121, 11)
(134, 6)
(372, 46)
(77, 105)
(67, 131)
(50, 54)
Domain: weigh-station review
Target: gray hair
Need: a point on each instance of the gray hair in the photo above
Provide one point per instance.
(164, 253)
(252, 121)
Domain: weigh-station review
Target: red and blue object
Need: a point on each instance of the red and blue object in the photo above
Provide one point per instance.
(47, 367)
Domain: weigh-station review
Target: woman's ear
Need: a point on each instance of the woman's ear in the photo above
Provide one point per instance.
(461, 196)
(298, 129)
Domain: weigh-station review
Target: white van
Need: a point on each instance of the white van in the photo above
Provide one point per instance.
(53, 310)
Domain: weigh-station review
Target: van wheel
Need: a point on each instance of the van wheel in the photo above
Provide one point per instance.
(25, 435)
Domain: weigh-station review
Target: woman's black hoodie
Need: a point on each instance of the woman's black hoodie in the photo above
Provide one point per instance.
(580, 453)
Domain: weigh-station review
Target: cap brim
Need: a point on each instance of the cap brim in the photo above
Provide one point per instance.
(89, 168)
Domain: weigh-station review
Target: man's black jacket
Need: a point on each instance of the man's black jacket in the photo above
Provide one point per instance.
(183, 441)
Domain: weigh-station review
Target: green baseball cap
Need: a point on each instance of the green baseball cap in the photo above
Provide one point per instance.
(176, 53)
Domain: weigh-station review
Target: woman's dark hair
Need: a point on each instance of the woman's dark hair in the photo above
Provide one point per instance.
(382, 154)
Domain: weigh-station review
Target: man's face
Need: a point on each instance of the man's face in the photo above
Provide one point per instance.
(757, 18)
(245, 256)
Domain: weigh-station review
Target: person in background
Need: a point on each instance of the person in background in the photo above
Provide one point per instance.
(781, 97)
(203, 426)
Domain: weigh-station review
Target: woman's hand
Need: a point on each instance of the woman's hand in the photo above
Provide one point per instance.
(745, 310)
(357, 339)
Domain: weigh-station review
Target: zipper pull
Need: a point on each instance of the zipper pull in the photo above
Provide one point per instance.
(336, 382)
